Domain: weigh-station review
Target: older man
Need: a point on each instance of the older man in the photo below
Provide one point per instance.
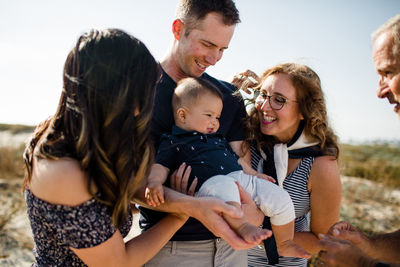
(346, 245)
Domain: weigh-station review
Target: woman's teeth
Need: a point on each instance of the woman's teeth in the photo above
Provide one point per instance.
(268, 118)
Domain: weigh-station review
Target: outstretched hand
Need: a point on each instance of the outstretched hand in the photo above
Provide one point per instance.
(209, 210)
(336, 252)
(346, 231)
(209, 213)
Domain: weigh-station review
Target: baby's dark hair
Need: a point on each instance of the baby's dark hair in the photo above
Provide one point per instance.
(189, 90)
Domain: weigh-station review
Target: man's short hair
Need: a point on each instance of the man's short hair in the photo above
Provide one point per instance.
(192, 12)
(391, 26)
(191, 89)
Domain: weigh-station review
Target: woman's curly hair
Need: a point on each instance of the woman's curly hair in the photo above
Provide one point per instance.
(310, 99)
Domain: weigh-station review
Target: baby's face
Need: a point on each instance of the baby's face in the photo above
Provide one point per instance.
(203, 115)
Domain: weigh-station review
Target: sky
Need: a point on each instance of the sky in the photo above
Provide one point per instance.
(332, 37)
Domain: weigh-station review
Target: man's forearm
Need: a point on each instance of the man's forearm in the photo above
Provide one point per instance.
(386, 246)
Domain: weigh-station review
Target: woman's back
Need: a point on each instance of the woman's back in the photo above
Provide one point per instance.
(63, 214)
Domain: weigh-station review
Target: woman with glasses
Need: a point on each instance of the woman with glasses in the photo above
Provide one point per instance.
(291, 140)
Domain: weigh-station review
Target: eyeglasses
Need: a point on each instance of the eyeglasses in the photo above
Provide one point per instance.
(275, 101)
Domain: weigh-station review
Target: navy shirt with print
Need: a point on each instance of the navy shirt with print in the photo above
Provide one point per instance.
(207, 154)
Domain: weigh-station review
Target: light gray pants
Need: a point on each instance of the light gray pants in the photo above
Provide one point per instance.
(272, 200)
(205, 253)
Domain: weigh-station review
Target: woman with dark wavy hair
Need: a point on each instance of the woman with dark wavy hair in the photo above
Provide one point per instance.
(84, 163)
(291, 140)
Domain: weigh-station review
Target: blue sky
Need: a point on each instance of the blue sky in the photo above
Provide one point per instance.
(332, 37)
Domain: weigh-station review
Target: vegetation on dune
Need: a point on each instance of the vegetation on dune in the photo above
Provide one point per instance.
(16, 128)
(11, 162)
(376, 162)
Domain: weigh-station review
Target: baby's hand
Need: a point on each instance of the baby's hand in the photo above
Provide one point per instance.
(154, 194)
(265, 177)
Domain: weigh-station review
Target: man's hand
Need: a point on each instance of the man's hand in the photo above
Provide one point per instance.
(346, 231)
(384, 246)
(179, 180)
(341, 253)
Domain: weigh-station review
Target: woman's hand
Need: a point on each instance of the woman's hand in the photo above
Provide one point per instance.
(179, 180)
(209, 212)
(245, 79)
(265, 177)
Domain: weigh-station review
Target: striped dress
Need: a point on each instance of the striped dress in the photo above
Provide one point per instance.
(296, 185)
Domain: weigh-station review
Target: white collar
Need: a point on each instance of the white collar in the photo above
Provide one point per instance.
(281, 156)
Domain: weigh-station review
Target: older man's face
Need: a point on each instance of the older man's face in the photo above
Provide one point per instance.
(388, 68)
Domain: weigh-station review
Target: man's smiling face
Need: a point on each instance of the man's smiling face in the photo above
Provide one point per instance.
(204, 45)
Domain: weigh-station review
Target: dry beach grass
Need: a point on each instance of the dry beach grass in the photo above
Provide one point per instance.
(372, 206)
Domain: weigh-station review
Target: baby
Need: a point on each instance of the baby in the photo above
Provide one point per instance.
(197, 106)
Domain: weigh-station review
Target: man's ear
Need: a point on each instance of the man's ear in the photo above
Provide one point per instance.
(181, 115)
(177, 28)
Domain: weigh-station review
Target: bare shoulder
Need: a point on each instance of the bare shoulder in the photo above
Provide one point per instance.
(325, 170)
(59, 181)
(324, 163)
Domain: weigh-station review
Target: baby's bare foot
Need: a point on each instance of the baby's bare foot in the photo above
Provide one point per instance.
(290, 249)
(253, 234)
